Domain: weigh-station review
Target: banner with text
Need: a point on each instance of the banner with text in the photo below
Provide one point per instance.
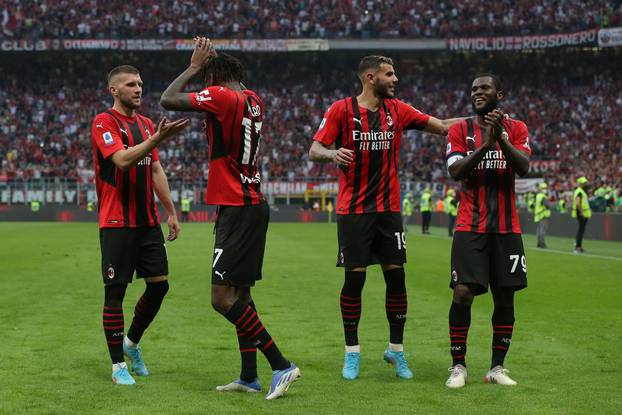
(587, 37)
(246, 45)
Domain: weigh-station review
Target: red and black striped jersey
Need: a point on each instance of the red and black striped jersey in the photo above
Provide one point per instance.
(125, 199)
(487, 203)
(370, 183)
(233, 130)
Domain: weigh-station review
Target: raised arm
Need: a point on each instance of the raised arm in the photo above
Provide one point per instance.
(174, 98)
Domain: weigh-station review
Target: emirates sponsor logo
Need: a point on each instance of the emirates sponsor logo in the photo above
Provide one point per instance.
(145, 162)
(372, 135)
(494, 159)
(373, 140)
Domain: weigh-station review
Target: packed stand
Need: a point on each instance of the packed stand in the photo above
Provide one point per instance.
(81, 19)
(46, 116)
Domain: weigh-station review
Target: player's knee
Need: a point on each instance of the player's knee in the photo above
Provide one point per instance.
(463, 294)
(222, 301)
(157, 289)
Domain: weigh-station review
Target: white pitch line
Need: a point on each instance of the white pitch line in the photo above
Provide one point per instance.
(557, 251)
(547, 250)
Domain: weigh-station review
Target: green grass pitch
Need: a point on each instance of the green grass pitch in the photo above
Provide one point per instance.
(566, 352)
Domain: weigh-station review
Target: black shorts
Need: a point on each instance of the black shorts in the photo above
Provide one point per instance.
(482, 259)
(370, 238)
(240, 244)
(125, 250)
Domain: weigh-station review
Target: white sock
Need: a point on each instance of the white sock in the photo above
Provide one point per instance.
(396, 347)
(356, 349)
(117, 366)
(130, 343)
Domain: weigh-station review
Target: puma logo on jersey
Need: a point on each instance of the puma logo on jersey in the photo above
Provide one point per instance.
(100, 125)
(123, 131)
(220, 274)
(357, 120)
(470, 138)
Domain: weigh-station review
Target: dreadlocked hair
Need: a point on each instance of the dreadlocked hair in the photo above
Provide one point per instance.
(224, 68)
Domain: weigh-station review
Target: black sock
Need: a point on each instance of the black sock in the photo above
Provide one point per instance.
(459, 322)
(396, 303)
(248, 356)
(249, 325)
(146, 309)
(350, 303)
(113, 320)
(502, 327)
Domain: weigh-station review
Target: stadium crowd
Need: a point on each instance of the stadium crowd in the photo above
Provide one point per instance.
(45, 119)
(32, 19)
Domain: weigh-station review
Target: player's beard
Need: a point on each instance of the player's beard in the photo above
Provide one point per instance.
(491, 104)
(382, 91)
(129, 103)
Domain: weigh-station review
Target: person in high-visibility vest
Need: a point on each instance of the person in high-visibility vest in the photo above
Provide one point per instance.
(407, 210)
(530, 199)
(425, 206)
(561, 204)
(185, 209)
(35, 205)
(542, 213)
(451, 208)
(581, 211)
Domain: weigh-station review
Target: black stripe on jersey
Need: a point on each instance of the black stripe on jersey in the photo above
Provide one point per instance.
(150, 172)
(142, 218)
(125, 191)
(471, 147)
(508, 186)
(339, 143)
(492, 199)
(107, 170)
(358, 155)
(374, 167)
(218, 147)
(386, 200)
(232, 129)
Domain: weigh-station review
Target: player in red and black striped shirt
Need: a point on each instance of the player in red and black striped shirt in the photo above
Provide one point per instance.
(485, 152)
(362, 135)
(128, 175)
(233, 120)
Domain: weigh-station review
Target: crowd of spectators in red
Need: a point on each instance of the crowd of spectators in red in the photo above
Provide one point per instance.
(35, 19)
(571, 105)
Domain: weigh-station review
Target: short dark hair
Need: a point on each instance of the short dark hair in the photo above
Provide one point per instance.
(122, 69)
(373, 62)
(495, 79)
(224, 68)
